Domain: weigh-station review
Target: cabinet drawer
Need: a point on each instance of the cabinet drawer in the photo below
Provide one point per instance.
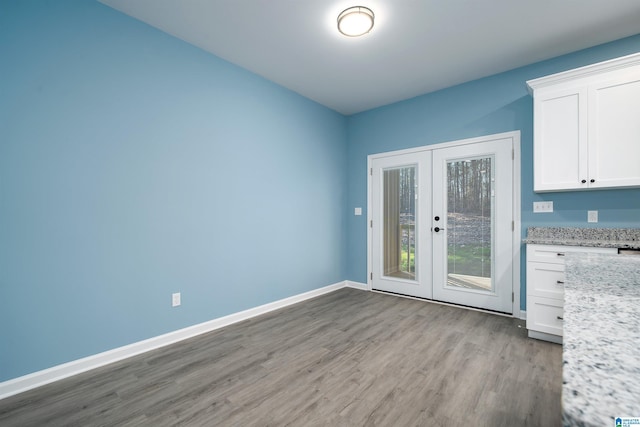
(544, 315)
(555, 253)
(547, 253)
(545, 279)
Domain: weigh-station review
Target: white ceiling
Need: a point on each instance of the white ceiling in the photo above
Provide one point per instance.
(415, 47)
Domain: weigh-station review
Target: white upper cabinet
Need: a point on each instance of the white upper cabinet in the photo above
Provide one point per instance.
(560, 151)
(614, 132)
(587, 127)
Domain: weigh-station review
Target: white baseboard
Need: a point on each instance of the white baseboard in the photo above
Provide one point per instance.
(356, 285)
(523, 315)
(545, 337)
(55, 373)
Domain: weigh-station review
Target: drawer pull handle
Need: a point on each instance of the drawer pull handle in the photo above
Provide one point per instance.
(559, 317)
(560, 254)
(559, 282)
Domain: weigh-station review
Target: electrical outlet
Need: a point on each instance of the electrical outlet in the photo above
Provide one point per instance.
(540, 207)
(175, 299)
(592, 216)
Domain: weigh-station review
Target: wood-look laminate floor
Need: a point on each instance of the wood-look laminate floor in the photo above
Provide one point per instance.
(349, 358)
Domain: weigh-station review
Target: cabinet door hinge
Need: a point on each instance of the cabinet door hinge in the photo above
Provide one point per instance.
(371, 171)
(513, 297)
(513, 154)
(513, 226)
(371, 276)
(371, 223)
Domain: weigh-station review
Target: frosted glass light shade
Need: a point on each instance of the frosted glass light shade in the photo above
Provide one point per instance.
(355, 21)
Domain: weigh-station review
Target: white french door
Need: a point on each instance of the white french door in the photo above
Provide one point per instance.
(401, 201)
(473, 197)
(442, 223)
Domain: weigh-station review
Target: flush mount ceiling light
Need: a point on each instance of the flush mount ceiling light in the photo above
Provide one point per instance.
(355, 21)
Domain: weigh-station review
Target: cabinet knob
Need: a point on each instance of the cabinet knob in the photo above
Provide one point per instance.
(593, 180)
(584, 181)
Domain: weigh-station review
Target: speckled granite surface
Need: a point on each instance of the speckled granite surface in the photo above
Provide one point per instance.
(594, 237)
(601, 352)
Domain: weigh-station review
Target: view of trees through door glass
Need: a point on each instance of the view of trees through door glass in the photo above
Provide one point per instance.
(399, 228)
(469, 223)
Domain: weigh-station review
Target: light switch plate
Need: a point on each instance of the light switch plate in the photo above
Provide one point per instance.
(358, 211)
(175, 299)
(592, 216)
(540, 207)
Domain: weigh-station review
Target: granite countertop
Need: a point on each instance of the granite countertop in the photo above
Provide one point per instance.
(601, 351)
(628, 238)
(591, 243)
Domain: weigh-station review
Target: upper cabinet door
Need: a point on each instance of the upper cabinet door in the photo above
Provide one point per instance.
(587, 127)
(614, 130)
(560, 151)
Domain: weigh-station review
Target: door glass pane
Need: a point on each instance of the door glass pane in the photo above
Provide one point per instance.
(469, 223)
(399, 228)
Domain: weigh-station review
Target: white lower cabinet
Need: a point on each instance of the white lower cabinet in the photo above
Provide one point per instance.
(545, 288)
(544, 316)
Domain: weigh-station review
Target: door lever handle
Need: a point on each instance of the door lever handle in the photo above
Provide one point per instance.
(437, 229)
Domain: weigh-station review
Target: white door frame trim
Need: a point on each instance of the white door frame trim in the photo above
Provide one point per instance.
(516, 244)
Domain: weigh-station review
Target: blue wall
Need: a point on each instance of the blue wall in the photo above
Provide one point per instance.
(495, 104)
(133, 165)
